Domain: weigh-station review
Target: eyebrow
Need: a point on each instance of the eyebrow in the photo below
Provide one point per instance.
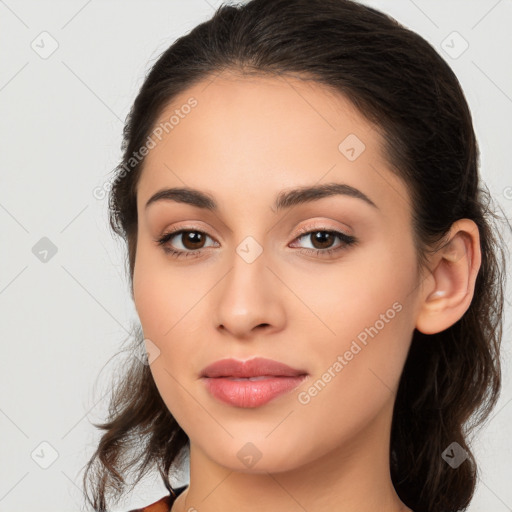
(284, 200)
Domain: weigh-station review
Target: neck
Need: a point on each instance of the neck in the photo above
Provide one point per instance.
(354, 477)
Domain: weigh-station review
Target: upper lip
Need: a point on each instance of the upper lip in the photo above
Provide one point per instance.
(256, 367)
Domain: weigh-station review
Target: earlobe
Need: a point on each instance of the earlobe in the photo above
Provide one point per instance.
(454, 270)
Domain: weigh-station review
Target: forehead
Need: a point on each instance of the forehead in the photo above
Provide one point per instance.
(264, 106)
(261, 134)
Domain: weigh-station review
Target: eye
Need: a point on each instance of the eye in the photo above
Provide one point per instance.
(192, 242)
(323, 238)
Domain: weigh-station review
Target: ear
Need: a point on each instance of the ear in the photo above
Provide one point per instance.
(447, 291)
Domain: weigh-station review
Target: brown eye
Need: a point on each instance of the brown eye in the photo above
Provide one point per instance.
(322, 239)
(193, 242)
(192, 239)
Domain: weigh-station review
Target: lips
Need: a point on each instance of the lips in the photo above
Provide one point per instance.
(250, 383)
(256, 367)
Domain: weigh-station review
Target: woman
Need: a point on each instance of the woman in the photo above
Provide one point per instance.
(314, 267)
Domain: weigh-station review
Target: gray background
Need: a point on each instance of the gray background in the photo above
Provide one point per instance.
(61, 119)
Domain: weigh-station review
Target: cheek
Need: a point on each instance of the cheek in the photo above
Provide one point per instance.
(366, 319)
(365, 288)
(357, 372)
(164, 304)
(168, 299)
(161, 294)
(152, 298)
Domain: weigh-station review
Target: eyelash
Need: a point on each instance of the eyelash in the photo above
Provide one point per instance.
(347, 241)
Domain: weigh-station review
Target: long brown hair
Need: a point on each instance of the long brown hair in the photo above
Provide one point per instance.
(451, 380)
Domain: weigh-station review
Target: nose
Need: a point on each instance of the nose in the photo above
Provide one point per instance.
(248, 300)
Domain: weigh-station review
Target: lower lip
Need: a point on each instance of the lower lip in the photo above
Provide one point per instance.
(247, 393)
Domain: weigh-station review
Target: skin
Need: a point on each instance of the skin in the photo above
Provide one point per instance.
(248, 139)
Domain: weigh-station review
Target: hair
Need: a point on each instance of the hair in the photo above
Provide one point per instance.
(451, 380)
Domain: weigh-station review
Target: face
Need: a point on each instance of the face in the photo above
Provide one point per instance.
(326, 285)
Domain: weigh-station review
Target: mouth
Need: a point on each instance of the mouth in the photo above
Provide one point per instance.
(251, 383)
(256, 367)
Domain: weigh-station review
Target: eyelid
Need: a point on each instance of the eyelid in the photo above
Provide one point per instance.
(347, 240)
(175, 230)
(186, 227)
(301, 231)
(323, 227)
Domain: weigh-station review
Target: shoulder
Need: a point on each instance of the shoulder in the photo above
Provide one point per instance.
(163, 504)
